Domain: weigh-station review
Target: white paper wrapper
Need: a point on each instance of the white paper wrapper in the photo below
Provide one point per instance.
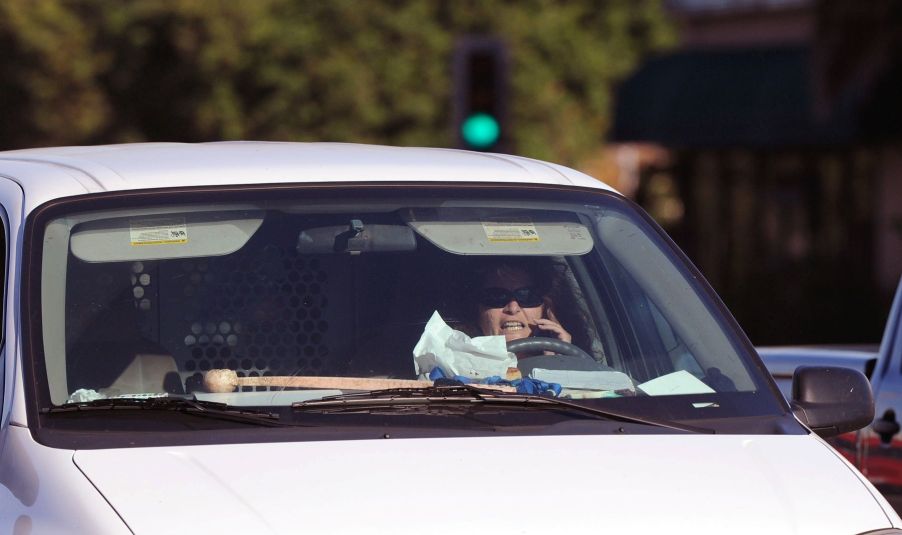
(678, 382)
(455, 353)
(83, 394)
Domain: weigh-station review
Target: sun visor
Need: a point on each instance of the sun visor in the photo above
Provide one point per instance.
(491, 231)
(164, 236)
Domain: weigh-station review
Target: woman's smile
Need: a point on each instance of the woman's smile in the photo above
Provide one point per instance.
(512, 326)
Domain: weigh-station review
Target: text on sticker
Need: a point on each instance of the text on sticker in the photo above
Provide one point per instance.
(510, 231)
(158, 231)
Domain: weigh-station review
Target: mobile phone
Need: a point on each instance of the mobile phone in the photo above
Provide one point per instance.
(541, 333)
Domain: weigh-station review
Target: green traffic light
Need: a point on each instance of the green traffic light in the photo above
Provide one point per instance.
(480, 130)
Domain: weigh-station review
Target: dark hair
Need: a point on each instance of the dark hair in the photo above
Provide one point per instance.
(545, 274)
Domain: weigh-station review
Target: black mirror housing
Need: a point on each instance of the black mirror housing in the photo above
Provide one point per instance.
(832, 400)
(356, 238)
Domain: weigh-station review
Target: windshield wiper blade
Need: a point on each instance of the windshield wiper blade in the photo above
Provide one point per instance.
(533, 400)
(454, 391)
(394, 397)
(187, 405)
(472, 394)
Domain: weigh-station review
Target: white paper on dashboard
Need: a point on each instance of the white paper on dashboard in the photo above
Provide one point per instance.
(680, 382)
(455, 353)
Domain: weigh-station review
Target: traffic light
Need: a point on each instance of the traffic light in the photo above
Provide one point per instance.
(480, 94)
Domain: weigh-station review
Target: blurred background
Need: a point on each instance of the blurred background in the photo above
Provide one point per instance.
(764, 135)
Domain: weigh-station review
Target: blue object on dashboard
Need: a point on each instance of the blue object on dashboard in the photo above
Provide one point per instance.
(523, 386)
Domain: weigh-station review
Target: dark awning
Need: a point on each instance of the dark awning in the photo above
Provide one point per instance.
(715, 98)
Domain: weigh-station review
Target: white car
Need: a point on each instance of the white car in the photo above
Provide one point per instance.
(328, 338)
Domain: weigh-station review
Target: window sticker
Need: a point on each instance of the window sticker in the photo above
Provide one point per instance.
(158, 231)
(510, 231)
(576, 232)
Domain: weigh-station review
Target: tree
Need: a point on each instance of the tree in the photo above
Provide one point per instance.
(86, 72)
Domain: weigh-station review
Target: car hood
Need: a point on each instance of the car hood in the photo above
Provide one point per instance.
(548, 484)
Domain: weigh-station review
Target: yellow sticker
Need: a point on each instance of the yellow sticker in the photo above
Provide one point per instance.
(158, 231)
(510, 231)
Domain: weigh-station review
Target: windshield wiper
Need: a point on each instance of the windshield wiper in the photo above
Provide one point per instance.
(470, 394)
(188, 405)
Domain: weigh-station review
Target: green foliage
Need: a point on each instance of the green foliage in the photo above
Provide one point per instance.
(84, 72)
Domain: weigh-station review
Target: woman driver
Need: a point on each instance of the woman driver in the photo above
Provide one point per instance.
(515, 300)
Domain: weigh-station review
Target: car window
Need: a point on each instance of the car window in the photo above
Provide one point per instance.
(296, 300)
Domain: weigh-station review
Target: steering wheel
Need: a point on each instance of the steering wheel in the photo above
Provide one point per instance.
(566, 356)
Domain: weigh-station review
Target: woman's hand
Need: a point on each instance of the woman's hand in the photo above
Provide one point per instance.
(551, 324)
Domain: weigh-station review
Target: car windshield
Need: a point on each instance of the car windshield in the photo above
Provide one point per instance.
(279, 299)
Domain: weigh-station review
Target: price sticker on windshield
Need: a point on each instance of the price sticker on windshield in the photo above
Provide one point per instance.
(510, 231)
(158, 231)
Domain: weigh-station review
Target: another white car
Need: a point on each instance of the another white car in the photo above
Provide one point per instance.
(328, 338)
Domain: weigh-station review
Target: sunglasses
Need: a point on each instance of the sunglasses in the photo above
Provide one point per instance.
(527, 297)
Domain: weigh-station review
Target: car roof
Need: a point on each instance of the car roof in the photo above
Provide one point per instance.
(49, 173)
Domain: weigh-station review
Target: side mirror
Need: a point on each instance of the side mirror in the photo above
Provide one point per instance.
(832, 400)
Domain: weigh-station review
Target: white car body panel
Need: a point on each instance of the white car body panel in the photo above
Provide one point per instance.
(42, 491)
(581, 484)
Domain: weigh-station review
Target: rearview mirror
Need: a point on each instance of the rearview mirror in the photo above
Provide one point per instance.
(355, 238)
(832, 400)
